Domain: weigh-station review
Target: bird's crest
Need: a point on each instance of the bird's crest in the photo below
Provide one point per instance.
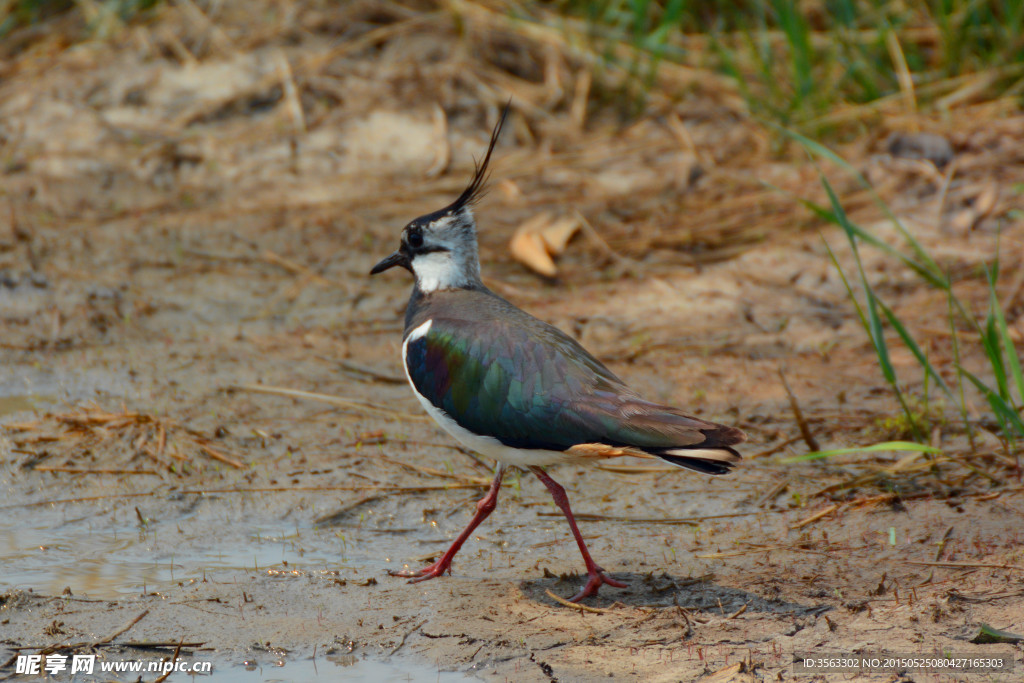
(478, 186)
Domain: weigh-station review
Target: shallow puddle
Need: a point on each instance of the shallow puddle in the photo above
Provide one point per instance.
(349, 668)
(16, 404)
(95, 557)
(26, 389)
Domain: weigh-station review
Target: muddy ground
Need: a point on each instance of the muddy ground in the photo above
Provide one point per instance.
(187, 216)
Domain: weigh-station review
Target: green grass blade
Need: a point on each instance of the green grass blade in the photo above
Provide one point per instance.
(817, 149)
(1005, 414)
(876, 332)
(826, 214)
(846, 284)
(874, 324)
(797, 33)
(1012, 359)
(909, 342)
(994, 353)
(955, 338)
(874, 448)
(878, 336)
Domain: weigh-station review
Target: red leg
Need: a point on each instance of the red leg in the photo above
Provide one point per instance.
(484, 508)
(597, 575)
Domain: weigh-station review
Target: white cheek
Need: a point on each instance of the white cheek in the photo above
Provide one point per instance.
(437, 270)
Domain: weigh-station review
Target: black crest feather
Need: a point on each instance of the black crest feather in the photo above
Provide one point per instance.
(475, 190)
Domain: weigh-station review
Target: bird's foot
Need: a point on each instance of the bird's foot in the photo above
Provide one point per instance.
(429, 572)
(597, 578)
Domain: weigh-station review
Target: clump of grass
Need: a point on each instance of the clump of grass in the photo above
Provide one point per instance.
(26, 12)
(925, 415)
(100, 15)
(801, 64)
(1003, 383)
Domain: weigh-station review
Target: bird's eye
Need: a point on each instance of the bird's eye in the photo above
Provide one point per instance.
(415, 239)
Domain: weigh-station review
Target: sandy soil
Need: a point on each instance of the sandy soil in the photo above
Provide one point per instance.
(187, 218)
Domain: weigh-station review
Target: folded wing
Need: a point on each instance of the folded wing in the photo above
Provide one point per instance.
(531, 386)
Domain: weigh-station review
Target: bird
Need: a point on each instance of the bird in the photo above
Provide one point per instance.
(518, 390)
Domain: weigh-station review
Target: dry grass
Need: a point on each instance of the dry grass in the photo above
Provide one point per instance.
(72, 441)
(266, 140)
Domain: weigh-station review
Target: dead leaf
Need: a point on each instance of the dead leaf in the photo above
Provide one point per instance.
(964, 220)
(979, 208)
(986, 200)
(539, 239)
(528, 248)
(509, 190)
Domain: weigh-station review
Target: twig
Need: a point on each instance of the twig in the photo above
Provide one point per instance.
(435, 472)
(354, 406)
(575, 605)
(966, 565)
(772, 493)
(754, 548)
(693, 580)
(859, 503)
(158, 645)
(174, 658)
(686, 615)
(429, 556)
(366, 370)
(815, 517)
(903, 77)
(580, 98)
(121, 630)
(333, 517)
(369, 39)
(596, 238)
(774, 449)
(80, 470)
(408, 633)
(256, 489)
(942, 544)
(559, 541)
(738, 612)
(590, 517)
(217, 455)
(294, 268)
(83, 499)
(291, 93)
(805, 431)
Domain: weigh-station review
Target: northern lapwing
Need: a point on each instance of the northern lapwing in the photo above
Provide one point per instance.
(517, 389)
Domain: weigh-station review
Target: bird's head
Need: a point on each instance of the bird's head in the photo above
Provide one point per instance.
(440, 248)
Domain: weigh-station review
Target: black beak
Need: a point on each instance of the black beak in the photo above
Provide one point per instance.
(396, 259)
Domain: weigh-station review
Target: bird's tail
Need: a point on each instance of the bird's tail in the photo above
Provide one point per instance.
(718, 460)
(667, 433)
